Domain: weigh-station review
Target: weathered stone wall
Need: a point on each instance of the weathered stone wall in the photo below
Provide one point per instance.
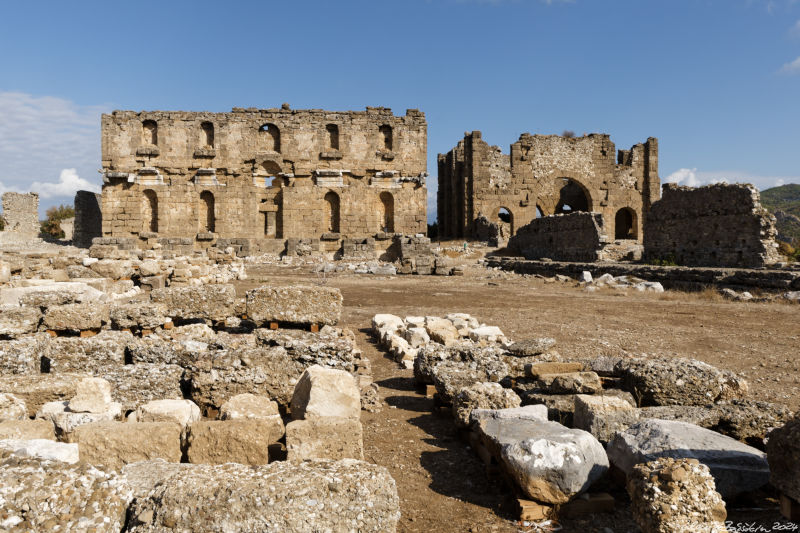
(263, 174)
(716, 225)
(545, 173)
(88, 218)
(21, 213)
(571, 237)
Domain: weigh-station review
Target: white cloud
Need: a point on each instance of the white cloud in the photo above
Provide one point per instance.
(692, 178)
(49, 142)
(793, 67)
(68, 184)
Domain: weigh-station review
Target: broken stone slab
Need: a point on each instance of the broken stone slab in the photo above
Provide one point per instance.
(23, 355)
(537, 370)
(323, 392)
(38, 389)
(569, 383)
(750, 420)
(735, 466)
(92, 395)
(783, 454)
(441, 330)
(249, 406)
(65, 421)
(85, 354)
(451, 375)
(160, 350)
(17, 321)
(550, 462)
(678, 381)
(518, 365)
(112, 269)
(532, 347)
(487, 334)
(603, 416)
(213, 302)
(48, 294)
(27, 429)
(138, 314)
(331, 347)
(182, 412)
(115, 444)
(381, 322)
(296, 305)
(144, 476)
(12, 408)
(481, 396)
(76, 317)
(244, 441)
(346, 495)
(560, 407)
(41, 495)
(462, 322)
(324, 438)
(41, 449)
(675, 496)
(416, 337)
(528, 412)
(134, 385)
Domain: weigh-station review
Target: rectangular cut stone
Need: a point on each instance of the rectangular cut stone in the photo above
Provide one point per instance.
(541, 369)
(37, 389)
(233, 441)
(296, 305)
(207, 302)
(115, 444)
(324, 438)
(27, 429)
(17, 321)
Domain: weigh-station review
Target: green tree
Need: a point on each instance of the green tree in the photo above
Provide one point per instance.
(50, 226)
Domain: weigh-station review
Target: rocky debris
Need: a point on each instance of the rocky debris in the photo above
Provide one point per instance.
(37, 495)
(569, 383)
(386, 322)
(603, 416)
(331, 347)
(244, 441)
(50, 294)
(27, 429)
(675, 496)
(487, 335)
(144, 476)
(12, 408)
(346, 495)
(560, 407)
(750, 420)
(462, 322)
(89, 354)
(325, 392)
(625, 282)
(441, 330)
(183, 412)
(41, 449)
(249, 406)
(679, 381)
(532, 347)
(783, 454)
(65, 421)
(736, 467)
(450, 376)
(16, 321)
(134, 385)
(138, 315)
(115, 444)
(481, 396)
(528, 412)
(23, 355)
(76, 317)
(370, 398)
(416, 337)
(205, 302)
(161, 350)
(550, 462)
(37, 389)
(324, 438)
(296, 305)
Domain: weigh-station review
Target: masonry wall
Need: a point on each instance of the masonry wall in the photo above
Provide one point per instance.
(716, 225)
(21, 213)
(88, 218)
(541, 175)
(570, 237)
(263, 174)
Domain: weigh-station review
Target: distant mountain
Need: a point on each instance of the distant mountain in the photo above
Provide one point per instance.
(784, 203)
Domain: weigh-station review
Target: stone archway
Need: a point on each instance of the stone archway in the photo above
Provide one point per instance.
(625, 224)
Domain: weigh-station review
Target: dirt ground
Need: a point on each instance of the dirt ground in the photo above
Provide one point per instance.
(441, 483)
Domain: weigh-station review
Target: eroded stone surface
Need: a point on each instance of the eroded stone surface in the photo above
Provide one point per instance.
(297, 305)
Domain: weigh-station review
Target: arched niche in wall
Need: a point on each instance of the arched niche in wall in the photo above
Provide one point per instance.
(150, 132)
(572, 197)
(207, 135)
(332, 215)
(505, 222)
(150, 211)
(206, 213)
(269, 136)
(387, 220)
(625, 224)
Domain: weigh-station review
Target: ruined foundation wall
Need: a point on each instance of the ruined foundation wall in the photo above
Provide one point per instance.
(715, 225)
(21, 214)
(263, 174)
(88, 218)
(572, 237)
(477, 179)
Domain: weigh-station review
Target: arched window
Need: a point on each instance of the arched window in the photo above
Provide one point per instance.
(150, 132)
(333, 136)
(625, 224)
(208, 134)
(150, 211)
(270, 137)
(538, 212)
(387, 221)
(331, 222)
(386, 133)
(206, 212)
(572, 197)
(505, 221)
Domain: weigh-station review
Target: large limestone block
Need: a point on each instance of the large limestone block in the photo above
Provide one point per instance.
(323, 392)
(487, 335)
(735, 466)
(297, 305)
(481, 396)
(134, 385)
(17, 321)
(40, 495)
(48, 294)
(86, 354)
(532, 347)
(679, 381)
(550, 462)
(12, 408)
(75, 317)
(249, 406)
(139, 314)
(324, 438)
(27, 429)
(441, 330)
(383, 322)
(23, 355)
(92, 395)
(675, 496)
(527, 412)
(346, 495)
(603, 416)
(41, 449)
(115, 444)
(209, 302)
(183, 412)
(233, 441)
(783, 454)
(112, 269)
(570, 383)
(416, 337)
(331, 347)
(65, 420)
(38, 389)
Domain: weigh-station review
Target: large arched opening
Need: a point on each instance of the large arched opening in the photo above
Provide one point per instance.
(331, 221)
(270, 137)
(387, 220)
(625, 226)
(572, 197)
(150, 211)
(206, 212)
(505, 222)
(207, 138)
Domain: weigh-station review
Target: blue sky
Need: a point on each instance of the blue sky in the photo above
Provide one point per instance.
(717, 81)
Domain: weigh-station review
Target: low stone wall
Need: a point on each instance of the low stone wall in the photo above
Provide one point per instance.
(716, 225)
(21, 213)
(571, 237)
(88, 219)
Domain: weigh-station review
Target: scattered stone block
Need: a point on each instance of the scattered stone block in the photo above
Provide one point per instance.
(65, 420)
(76, 317)
(23, 355)
(182, 412)
(783, 454)
(324, 438)
(41, 449)
(481, 396)
(17, 321)
(570, 383)
(296, 305)
(92, 395)
(542, 369)
(233, 441)
(38, 389)
(322, 392)
(12, 408)
(603, 416)
(134, 385)
(213, 302)
(532, 347)
(115, 444)
(147, 315)
(416, 337)
(441, 330)
(27, 429)
(249, 406)
(528, 412)
(487, 334)
(95, 354)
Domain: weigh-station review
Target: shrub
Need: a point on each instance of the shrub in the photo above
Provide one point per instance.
(51, 227)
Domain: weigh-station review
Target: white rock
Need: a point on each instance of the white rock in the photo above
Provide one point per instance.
(415, 321)
(386, 321)
(490, 334)
(42, 449)
(92, 395)
(12, 408)
(416, 337)
(184, 412)
(244, 406)
(322, 392)
(65, 421)
(585, 277)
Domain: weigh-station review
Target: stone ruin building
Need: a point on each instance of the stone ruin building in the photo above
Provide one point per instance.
(257, 177)
(545, 175)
